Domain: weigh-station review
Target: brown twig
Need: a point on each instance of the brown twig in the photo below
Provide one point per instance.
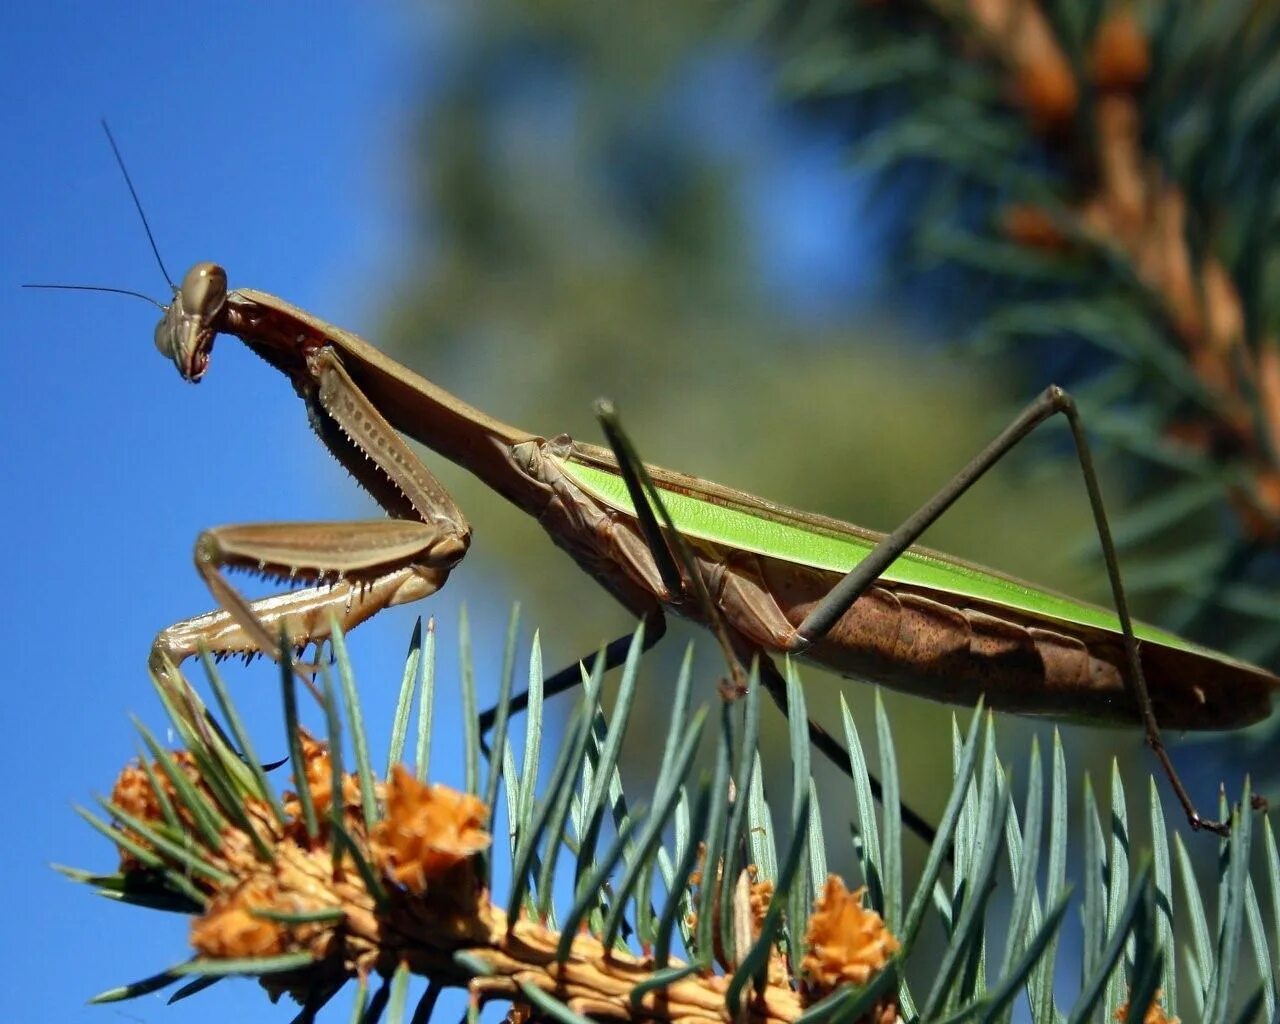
(432, 912)
(1126, 202)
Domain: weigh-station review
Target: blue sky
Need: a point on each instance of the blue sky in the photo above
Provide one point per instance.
(261, 136)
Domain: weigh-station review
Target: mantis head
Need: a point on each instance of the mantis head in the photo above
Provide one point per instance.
(188, 328)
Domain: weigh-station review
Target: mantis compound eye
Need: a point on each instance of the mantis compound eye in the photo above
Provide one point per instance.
(203, 291)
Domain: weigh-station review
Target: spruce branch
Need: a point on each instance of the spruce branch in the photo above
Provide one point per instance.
(349, 876)
(1089, 107)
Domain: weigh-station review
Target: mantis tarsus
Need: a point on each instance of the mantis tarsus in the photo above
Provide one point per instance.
(779, 580)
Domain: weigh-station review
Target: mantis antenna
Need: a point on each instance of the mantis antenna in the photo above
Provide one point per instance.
(97, 288)
(146, 226)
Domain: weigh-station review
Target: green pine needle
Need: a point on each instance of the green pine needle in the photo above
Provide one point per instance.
(1129, 923)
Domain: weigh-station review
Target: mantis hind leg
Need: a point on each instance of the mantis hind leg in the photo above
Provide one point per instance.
(615, 653)
(671, 554)
(776, 686)
(1052, 401)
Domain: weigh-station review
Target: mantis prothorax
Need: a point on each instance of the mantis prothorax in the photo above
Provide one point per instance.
(782, 581)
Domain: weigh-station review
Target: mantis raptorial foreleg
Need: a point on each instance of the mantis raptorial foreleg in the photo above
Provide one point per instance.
(248, 626)
(828, 611)
(359, 567)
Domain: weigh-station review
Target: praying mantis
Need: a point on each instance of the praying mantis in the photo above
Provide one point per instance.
(774, 579)
(766, 578)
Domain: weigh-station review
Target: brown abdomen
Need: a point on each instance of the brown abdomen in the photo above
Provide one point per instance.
(954, 649)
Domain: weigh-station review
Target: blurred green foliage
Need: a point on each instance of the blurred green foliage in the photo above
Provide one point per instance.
(579, 236)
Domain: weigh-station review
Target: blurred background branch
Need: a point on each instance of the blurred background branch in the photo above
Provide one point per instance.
(1102, 177)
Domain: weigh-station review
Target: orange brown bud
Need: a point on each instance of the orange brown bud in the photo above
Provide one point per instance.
(1121, 56)
(319, 769)
(1032, 226)
(132, 791)
(427, 830)
(845, 942)
(134, 795)
(229, 928)
(761, 897)
(1155, 1013)
(1047, 89)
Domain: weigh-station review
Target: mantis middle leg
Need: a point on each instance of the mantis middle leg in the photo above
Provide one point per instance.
(820, 621)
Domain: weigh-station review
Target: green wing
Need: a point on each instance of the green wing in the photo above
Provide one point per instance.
(735, 519)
